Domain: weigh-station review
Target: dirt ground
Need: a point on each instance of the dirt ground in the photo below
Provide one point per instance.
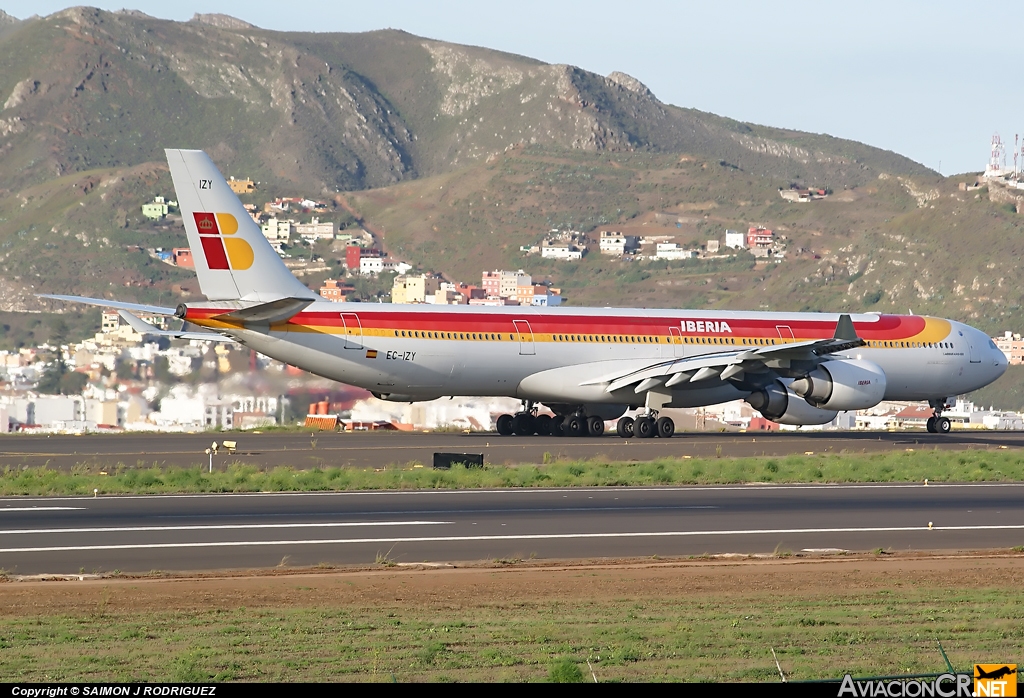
(473, 585)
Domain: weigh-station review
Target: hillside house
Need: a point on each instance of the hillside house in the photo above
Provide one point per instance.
(277, 229)
(156, 209)
(615, 243)
(414, 289)
(672, 250)
(182, 257)
(336, 291)
(560, 250)
(354, 255)
(242, 186)
(736, 240)
(315, 230)
(1012, 345)
(758, 236)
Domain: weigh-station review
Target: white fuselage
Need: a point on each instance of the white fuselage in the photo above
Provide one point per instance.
(549, 354)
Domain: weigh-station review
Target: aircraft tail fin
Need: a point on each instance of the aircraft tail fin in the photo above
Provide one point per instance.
(232, 258)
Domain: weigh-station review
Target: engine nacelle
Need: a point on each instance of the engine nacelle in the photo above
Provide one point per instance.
(845, 384)
(785, 407)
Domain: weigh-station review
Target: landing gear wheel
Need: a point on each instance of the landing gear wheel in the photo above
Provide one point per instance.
(542, 424)
(504, 425)
(624, 427)
(665, 427)
(522, 424)
(644, 428)
(595, 426)
(931, 425)
(558, 425)
(575, 426)
(943, 425)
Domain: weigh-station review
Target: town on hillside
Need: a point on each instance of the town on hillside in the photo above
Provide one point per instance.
(117, 379)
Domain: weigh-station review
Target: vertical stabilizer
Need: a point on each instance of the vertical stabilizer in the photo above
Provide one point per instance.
(233, 260)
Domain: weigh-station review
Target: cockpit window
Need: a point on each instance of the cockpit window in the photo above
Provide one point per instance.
(991, 344)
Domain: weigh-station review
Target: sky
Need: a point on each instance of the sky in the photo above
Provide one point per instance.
(932, 80)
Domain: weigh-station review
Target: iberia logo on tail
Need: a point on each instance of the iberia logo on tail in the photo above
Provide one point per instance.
(222, 252)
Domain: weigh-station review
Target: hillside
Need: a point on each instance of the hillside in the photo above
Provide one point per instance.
(457, 155)
(892, 244)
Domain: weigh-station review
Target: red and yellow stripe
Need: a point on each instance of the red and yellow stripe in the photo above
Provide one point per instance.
(887, 331)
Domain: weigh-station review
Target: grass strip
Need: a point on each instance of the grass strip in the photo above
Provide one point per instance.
(910, 466)
(653, 635)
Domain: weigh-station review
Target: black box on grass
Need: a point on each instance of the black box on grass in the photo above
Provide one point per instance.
(444, 461)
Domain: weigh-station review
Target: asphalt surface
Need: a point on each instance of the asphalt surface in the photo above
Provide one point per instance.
(376, 449)
(208, 532)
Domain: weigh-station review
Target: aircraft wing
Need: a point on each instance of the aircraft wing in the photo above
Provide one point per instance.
(728, 364)
(105, 303)
(143, 327)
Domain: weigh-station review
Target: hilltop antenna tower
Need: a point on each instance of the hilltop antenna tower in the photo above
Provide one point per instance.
(1016, 144)
(998, 157)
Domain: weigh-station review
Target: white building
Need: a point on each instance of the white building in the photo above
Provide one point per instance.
(735, 239)
(371, 266)
(560, 250)
(395, 266)
(275, 229)
(316, 230)
(671, 250)
(59, 408)
(545, 298)
(615, 243)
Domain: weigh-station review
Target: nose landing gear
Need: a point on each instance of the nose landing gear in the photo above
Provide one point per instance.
(937, 424)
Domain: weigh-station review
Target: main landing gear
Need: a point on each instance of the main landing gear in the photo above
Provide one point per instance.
(937, 424)
(528, 422)
(645, 427)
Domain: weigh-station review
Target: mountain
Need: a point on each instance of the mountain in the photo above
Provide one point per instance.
(344, 111)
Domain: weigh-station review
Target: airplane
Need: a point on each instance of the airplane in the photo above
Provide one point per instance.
(995, 673)
(586, 365)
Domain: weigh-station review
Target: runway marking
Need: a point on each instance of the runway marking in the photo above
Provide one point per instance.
(3, 509)
(537, 536)
(524, 491)
(222, 527)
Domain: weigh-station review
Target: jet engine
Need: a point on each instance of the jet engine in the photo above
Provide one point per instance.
(846, 384)
(781, 405)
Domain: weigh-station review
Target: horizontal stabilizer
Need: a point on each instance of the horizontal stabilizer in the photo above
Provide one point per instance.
(274, 311)
(143, 327)
(105, 303)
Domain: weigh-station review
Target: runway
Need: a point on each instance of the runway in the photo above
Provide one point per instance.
(376, 449)
(212, 532)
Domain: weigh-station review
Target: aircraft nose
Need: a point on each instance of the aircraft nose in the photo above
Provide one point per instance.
(1001, 361)
(998, 359)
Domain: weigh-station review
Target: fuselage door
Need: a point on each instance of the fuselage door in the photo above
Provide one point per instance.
(675, 335)
(974, 351)
(525, 332)
(353, 331)
(785, 332)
